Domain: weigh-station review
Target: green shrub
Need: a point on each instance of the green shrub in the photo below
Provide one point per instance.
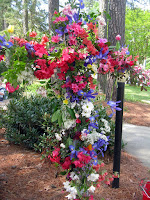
(107, 126)
(25, 118)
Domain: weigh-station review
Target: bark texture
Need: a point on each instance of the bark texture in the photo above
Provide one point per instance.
(52, 6)
(117, 23)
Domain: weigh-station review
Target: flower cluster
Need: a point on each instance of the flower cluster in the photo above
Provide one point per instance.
(140, 76)
(74, 57)
(117, 61)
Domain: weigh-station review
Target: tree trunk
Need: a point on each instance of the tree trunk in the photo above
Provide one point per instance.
(116, 25)
(52, 6)
(33, 13)
(103, 7)
(102, 32)
(25, 17)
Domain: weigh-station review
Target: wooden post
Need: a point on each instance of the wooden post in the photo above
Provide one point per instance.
(118, 133)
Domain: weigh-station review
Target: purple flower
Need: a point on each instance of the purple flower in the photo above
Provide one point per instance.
(113, 106)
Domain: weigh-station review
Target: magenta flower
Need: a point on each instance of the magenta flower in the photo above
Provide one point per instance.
(118, 37)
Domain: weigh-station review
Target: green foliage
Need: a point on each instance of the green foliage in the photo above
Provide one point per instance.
(25, 118)
(3, 67)
(137, 33)
(11, 14)
(148, 63)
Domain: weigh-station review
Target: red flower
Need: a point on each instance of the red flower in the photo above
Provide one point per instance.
(32, 34)
(1, 57)
(78, 121)
(67, 163)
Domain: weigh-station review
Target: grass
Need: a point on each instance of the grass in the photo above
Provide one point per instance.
(134, 93)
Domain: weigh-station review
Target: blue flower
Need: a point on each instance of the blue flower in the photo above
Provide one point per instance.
(113, 106)
(102, 56)
(7, 44)
(2, 40)
(80, 93)
(29, 48)
(81, 4)
(74, 153)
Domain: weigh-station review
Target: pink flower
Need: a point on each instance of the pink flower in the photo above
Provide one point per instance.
(32, 34)
(69, 11)
(10, 88)
(78, 78)
(55, 39)
(72, 40)
(91, 197)
(118, 37)
(74, 87)
(55, 12)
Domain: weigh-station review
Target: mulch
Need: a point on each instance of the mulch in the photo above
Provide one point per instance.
(24, 176)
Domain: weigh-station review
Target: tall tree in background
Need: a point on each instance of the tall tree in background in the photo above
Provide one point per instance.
(52, 6)
(25, 17)
(5, 6)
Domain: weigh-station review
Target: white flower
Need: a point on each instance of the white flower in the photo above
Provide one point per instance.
(104, 137)
(73, 105)
(83, 134)
(58, 136)
(93, 177)
(86, 114)
(101, 21)
(91, 189)
(63, 132)
(73, 176)
(66, 184)
(69, 123)
(71, 196)
(62, 145)
(88, 106)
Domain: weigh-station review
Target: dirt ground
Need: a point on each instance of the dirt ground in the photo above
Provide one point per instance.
(23, 176)
(137, 113)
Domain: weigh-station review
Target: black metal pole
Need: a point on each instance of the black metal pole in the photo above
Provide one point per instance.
(118, 133)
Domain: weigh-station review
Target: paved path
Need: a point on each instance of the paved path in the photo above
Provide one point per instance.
(138, 142)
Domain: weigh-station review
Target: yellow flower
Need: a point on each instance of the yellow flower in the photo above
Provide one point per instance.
(4, 59)
(65, 101)
(58, 96)
(89, 66)
(10, 29)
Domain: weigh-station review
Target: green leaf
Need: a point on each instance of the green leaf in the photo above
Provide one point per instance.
(107, 15)
(7, 34)
(55, 116)
(63, 173)
(71, 112)
(60, 120)
(117, 45)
